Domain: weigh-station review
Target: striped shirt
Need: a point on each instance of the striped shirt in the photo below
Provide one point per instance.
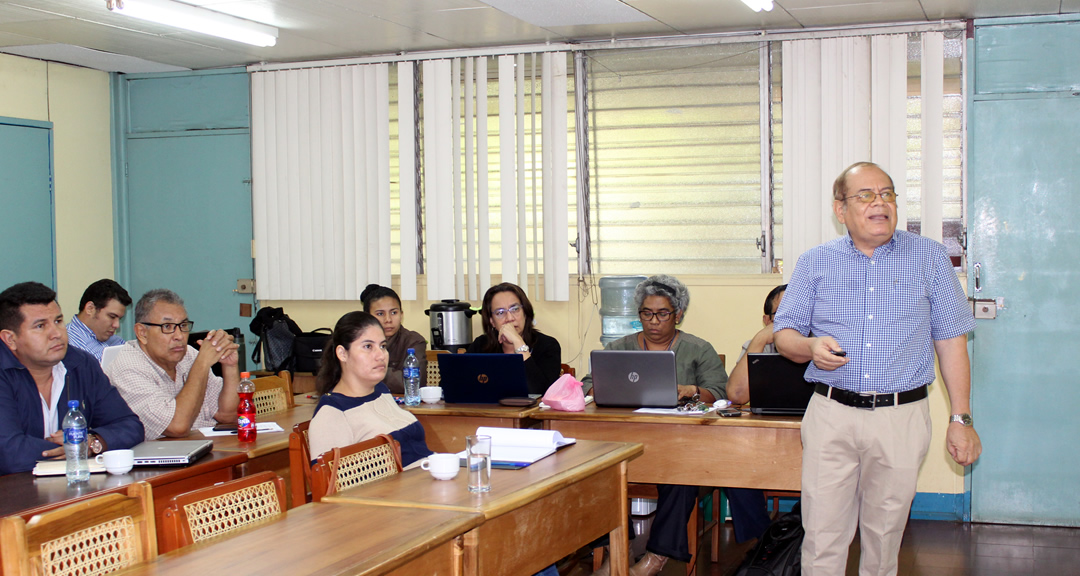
(83, 338)
(885, 310)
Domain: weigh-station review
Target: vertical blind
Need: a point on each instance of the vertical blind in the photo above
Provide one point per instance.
(322, 178)
(840, 109)
(321, 181)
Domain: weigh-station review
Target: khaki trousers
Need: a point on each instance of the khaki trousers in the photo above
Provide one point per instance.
(860, 467)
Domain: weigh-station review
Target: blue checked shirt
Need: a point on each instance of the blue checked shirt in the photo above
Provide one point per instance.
(83, 338)
(885, 311)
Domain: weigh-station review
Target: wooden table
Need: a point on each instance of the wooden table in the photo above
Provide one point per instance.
(26, 495)
(447, 425)
(269, 451)
(748, 452)
(328, 539)
(532, 516)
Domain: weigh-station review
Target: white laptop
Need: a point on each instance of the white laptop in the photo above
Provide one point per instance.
(171, 452)
(109, 354)
(634, 378)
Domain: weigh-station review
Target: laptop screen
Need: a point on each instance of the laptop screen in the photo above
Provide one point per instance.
(482, 378)
(634, 378)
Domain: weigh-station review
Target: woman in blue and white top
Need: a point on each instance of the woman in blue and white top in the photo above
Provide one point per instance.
(354, 402)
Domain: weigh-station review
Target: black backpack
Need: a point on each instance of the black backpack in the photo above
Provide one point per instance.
(276, 332)
(779, 551)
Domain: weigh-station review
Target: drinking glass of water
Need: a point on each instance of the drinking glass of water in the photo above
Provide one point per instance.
(478, 450)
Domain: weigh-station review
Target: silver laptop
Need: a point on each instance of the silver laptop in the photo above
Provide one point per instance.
(171, 452)
(634, 378)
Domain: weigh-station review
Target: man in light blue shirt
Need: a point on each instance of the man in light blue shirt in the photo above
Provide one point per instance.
(869, 311)
(101, 309)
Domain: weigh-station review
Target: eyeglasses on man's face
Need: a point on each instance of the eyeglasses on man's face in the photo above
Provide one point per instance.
(170, 327)
(502, 312)
(867, 196)
(662, 315)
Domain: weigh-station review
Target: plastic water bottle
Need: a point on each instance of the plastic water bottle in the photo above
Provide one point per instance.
(411, 374)
(75, 444)
(245, 410)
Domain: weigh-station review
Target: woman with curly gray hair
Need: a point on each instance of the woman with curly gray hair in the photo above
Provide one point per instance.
(662, 301)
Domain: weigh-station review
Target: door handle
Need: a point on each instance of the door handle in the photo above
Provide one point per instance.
(977, 273)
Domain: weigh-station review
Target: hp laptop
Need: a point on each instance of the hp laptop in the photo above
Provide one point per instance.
(482, 378)
(634, 378)
(171, 452)
(777, 385)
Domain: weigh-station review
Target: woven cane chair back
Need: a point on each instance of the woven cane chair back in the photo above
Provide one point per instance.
(89, 538)
(343, 468)
(273, 394)
(218, 510)
(433, 376)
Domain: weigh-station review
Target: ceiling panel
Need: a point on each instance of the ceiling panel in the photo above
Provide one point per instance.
(844, 13)
(475, 27)
(1070, 5)
(713, 15)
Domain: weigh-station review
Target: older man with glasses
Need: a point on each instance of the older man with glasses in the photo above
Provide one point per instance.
(869, 310)
(169, 384)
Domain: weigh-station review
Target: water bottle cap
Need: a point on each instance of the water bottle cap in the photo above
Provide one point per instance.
(73, 404)
(245, 375)
(411, 351)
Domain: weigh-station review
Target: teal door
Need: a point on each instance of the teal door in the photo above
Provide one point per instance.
(189, 222)
(1024, 212)
(26, 198)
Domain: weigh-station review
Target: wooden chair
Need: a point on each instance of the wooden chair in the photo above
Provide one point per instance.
(300, 464)
(273, 393)
(433, 376)
(776, 495)
(354, 465)
(223, 508)
(567, 369)
(96, 536)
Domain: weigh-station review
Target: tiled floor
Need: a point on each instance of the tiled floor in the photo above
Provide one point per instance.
(942, 549)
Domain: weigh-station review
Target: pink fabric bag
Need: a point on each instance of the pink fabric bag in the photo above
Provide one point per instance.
(565, 395)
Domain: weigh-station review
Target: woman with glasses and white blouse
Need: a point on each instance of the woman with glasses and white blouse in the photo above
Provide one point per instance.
(662, 301)
(507, 319)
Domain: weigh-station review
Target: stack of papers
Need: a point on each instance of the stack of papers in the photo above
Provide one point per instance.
(517, 448)
(59, 467)
(260, 427)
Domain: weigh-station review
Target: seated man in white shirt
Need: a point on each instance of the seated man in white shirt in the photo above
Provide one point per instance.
(103, 306)
(169, 384)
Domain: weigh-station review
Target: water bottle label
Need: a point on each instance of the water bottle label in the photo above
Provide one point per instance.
(74, 435)
(412, 372)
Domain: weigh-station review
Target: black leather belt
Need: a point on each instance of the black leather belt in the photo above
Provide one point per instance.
(870, 401)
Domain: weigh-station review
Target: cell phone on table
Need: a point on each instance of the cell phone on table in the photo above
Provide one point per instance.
(729, 412)
(226, 427)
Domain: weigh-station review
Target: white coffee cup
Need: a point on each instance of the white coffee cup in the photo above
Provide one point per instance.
(442, 466)
(117, 461)
(431, 394)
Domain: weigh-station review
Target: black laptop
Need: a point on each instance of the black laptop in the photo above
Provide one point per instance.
(777, 385)
(482, 378)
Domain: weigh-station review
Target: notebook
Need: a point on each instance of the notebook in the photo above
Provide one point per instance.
(777, 385)
(514, 448)
(171, 452)
(634, 378)
(482, 378)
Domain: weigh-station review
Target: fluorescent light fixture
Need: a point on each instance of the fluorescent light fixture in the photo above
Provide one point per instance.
(197, 19)
(759, 5)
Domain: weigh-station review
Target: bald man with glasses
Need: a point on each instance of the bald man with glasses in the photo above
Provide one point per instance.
(869, 311)
(170, 385)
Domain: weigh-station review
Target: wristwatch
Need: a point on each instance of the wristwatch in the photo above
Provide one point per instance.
(522, 349)
(96, 445)
(964, 419)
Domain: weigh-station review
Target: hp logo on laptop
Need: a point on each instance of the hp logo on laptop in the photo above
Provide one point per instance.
(483, 378)
(633, 377)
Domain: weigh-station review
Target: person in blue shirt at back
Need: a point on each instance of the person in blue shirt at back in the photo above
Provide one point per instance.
(103, 305)
(39, 373)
